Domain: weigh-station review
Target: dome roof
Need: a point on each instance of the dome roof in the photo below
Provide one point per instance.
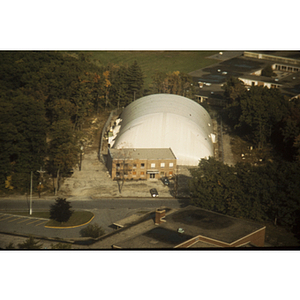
(167, 121)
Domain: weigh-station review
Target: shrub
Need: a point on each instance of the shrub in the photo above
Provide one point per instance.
(92, 230)
(61, 246)
(30, 243)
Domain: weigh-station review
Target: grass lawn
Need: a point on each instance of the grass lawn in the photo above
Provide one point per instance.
(78, 218)
(152, 61)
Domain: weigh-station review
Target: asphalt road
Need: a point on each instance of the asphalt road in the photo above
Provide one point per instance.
(41, 204)
(106, 212)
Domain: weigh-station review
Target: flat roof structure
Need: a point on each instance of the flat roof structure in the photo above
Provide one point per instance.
(199, 228)
(246, 67)
(143, 153)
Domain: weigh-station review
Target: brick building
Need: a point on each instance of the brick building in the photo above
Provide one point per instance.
(141, 164)
(188, 227)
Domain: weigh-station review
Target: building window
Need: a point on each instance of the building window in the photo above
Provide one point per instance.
(134, 173)
(134, 165)
(117, 174)
(118, 166)
(171, 165)
(142, 165)
(162, 174)
(162, 165)
(152, 175)
(171, 173)
(153, 165)
(142, 173)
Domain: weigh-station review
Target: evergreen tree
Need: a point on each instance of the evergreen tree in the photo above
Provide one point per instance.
(135, 81)
(31, 244)
(61, 211)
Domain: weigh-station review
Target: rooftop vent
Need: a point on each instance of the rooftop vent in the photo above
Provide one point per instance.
(180, 230)
(159, 215)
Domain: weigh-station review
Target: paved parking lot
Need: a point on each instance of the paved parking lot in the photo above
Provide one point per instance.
(16, 223)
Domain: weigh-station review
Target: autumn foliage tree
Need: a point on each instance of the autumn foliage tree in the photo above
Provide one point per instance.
(176, 82)
(49, 96)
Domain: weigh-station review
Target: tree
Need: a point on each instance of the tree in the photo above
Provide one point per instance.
(122, 158)
(10, 246)
(269, 192)
(288, 131)
(135, 81)
(63, 149)
(61, 246)
(234, 89)
(214, 186)
(61, 210)
(22, 137)
(267, 71)
(256, 112)
(30, 243)
(158, 82)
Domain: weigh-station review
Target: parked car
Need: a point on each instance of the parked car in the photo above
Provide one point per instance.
(154, 192)
(165, 181)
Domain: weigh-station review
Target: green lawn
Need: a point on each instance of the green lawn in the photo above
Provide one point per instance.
(78, 217)
(152, 61)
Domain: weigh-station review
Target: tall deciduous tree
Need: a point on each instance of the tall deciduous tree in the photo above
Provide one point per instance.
(234, 89)
(63, 149)
(270, 192)
(22, 136)
(261, 109)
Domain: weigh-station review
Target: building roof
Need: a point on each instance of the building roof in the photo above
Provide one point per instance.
(167, 121)
(265, 79)
(244, 67)
(194, 221)
(138, 153)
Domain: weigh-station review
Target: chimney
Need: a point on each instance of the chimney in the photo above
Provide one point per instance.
(159, 215)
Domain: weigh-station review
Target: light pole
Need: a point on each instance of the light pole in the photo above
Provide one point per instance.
(30, 199)
(81, 148)
(41, 172)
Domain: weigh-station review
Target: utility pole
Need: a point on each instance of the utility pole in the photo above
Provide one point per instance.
(41, 172)
(81, 149)
(30, 200)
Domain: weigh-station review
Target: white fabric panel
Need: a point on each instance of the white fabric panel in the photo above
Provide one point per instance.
(167, 121)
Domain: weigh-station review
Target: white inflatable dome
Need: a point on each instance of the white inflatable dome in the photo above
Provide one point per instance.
(167, 121)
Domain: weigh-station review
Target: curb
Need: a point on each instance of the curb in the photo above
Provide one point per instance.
(68, 227)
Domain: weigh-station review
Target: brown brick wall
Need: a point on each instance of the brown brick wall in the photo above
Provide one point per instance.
(256, 238)
(136, 171)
